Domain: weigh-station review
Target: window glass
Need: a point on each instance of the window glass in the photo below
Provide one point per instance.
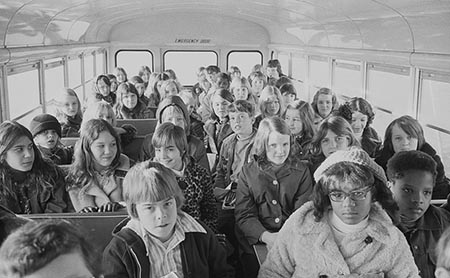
(389, 88)
(299, 67)
(186, 63)
(132, 60)
(244, 60)
(284, 62)
(88, 67)
(26, 120)
(100, 63)
(74, 66)
(54, 82)
(23, 92)
(347, 78)
(441, 143)
(434, 100)
(318, 74)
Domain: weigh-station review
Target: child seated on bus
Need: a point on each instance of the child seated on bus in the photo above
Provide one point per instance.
(289, 93)
(102, 110)
(197, 126)
(171, 146)
(299, 117)
(28, 183)
(144, 73)
(443, 255)
(113, 81)
(95, 177)
(46, 131)
(360, 115)
(241, 90)
(160, 240)
(121, 75)
(258, 81)
(270, 104)
(102, 91)
(153, 91)
(172, 109)
(405, 134)
(222, 81)
(234, 72)
(333, 134)
(129, 106)
(49, 248)
(270, 188)
(324, 103)
(202, 86)
(170, 88)
(412, 176)
(68, 113)
(218, 127)
(140, 88)
(346, 230)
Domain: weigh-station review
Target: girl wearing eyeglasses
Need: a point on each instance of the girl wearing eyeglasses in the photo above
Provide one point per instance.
(346, 230)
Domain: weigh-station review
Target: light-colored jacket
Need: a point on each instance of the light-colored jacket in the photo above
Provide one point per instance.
(306, 248)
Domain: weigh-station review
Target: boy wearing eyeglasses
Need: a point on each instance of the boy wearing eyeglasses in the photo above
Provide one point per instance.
(412, 176)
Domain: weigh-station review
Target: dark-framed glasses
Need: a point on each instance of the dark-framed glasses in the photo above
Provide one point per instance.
(356, 195)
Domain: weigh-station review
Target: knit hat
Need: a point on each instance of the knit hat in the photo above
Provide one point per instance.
(44, 122)
(354, 155)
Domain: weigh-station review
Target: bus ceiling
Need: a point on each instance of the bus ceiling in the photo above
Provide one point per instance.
(406, 26)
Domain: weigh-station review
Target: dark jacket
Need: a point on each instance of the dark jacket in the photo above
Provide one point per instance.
(302, 147)
(140, 111)
(197, 126)
(216, 132)
(71, 127)
(60, 155)
(265, 199)
(442, 186)
(29, 193)
(370, 141)
(9, 222)
(424, 236)
(201, 255)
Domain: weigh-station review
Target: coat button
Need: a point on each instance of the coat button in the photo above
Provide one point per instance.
(415, 247)
(277, 220)
(275, 182)
(274, 202)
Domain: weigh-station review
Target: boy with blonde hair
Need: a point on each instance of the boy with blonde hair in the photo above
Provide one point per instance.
(160, 240)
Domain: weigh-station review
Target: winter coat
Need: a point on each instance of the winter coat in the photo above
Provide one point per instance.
(302, 146)
(71, 127)
(60, 155)
(34, 192)
(370, 141)
(442, 186)
(140, 111)
(126, 255)
(306, 248)
(424, 236)
(216, 132)
(198, 193)
(265, 199)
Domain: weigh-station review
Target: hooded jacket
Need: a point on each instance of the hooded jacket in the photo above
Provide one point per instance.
(307, 248)
(196, 147)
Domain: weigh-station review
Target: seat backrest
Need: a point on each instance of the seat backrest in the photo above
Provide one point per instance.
(143, 126)
(69, 141)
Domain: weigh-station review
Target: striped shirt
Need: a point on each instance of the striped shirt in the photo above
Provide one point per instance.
(165, 257)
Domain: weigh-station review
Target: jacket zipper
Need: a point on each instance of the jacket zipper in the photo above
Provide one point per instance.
(137, 261)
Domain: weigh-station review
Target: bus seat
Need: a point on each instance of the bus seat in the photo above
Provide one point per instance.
(69, 141)
(96, 227)
(143, 126)
(134, 147)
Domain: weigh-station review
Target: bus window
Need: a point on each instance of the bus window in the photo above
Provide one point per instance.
(299, 70)
(54, 82)
(347, 78)
(434, 100)
(132, 60)
(318, 74)
(244, 60)
(389, 91)
(23, 91)
(186, 63)
(100, 63)
(88, 67)
(284, 61)
(74, 66)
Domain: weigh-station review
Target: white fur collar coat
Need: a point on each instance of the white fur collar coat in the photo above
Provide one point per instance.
(306, 248)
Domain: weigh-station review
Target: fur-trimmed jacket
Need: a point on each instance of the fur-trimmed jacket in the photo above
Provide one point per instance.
(307, 248)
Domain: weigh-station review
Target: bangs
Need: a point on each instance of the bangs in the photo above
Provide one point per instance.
(346, 172)
(162, 139)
